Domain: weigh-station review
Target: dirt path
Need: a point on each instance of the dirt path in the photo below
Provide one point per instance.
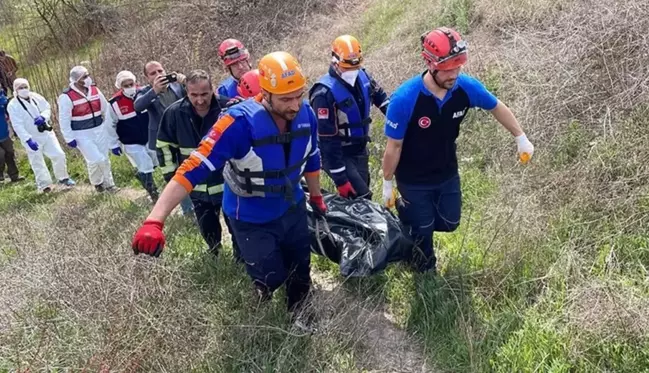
(386, 347)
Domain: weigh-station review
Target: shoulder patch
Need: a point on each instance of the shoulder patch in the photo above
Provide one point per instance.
(323, 113)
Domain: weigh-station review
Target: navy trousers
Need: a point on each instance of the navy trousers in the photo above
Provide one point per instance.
(278, 252)
(427, 209)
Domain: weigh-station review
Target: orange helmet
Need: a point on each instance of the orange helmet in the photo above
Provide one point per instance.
(280, 73)
(346, 52)
(444, 49)
(249, 84)
(232, 51)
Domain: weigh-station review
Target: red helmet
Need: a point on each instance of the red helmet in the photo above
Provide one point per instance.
(249, 84)
(444, 49)
(232, 51)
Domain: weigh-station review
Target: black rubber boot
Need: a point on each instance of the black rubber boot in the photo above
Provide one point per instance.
(149, 185)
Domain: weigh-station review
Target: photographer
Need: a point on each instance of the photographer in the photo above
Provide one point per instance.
(155, 98)
(30, 115)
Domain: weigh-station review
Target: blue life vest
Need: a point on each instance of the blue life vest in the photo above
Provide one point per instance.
(228, 88)
(264, 170)
(353, 121)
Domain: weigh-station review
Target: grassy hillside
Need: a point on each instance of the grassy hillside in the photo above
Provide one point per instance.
(547, 272)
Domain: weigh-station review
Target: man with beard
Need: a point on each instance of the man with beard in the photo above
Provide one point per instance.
(267, 145)
(423, 122)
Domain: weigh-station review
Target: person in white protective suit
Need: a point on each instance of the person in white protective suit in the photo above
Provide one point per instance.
(30, 118)
(84, 115)
(131, 127)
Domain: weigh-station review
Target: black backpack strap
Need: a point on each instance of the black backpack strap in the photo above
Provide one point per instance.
(25, 107)
(284, 138)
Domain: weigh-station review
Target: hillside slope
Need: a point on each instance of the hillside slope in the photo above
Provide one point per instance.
(548, 271)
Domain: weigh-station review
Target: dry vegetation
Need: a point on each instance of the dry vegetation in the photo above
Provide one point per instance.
(548, 271)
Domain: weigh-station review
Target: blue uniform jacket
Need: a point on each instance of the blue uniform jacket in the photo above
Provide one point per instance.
(236, 139)
(228, 88)
(333, 146)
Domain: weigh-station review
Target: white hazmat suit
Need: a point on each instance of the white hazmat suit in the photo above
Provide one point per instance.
(94, 143)
(23, 112)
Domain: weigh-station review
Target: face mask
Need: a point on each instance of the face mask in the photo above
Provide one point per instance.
(23, 93)
(87, 82)
(129, 92)
(350, 76)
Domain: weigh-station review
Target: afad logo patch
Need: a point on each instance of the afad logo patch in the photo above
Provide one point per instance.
(323, 113)
(424, 122)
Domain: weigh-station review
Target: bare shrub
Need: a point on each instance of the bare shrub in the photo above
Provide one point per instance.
(588, 65)
(608, 310)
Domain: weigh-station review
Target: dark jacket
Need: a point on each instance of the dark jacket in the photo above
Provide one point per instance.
(147, 99)
(181, 131)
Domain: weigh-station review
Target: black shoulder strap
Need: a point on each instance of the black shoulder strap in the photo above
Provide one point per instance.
(284, 138)
(25, 107)
(223, 101)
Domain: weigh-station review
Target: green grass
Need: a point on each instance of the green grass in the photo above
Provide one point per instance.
(515, 292)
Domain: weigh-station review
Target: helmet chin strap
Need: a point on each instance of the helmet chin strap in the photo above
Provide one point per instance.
(433, 73)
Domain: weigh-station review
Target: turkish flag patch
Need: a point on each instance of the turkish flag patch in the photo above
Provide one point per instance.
(323, 113)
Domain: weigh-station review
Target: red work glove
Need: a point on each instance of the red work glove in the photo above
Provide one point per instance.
(149, 239)
(347, 190)
(318, 205)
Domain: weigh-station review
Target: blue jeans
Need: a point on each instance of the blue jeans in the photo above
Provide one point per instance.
(427, 209)
(278, 252)
(186, 206)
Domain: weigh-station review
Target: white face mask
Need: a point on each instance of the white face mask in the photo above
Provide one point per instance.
(23, 93)
(87, 82)
(350, 76)
(129, 92)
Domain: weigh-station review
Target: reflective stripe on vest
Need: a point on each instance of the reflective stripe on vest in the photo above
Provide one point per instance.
(353, 122)
(186, 151)
(168, 159)
(263, 172)
(214, 189)
(86, 111)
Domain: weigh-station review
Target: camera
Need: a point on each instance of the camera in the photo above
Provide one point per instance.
(170, 78)
(44, 127)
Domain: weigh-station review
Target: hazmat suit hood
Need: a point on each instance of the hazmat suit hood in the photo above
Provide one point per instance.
(20, 81)
(76, 73)
(122, 76)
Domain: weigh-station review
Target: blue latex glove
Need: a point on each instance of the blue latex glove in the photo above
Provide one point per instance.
(72, 144)
(39, 121)
(117, 151)
(32, 144)
(3, 98)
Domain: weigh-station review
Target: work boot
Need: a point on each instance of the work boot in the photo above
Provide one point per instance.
(46, 190)
(68, 182)
(111, 189)
(262, 294)
(147, 182)
(305, 319)
(17, 179)
(100, 188)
